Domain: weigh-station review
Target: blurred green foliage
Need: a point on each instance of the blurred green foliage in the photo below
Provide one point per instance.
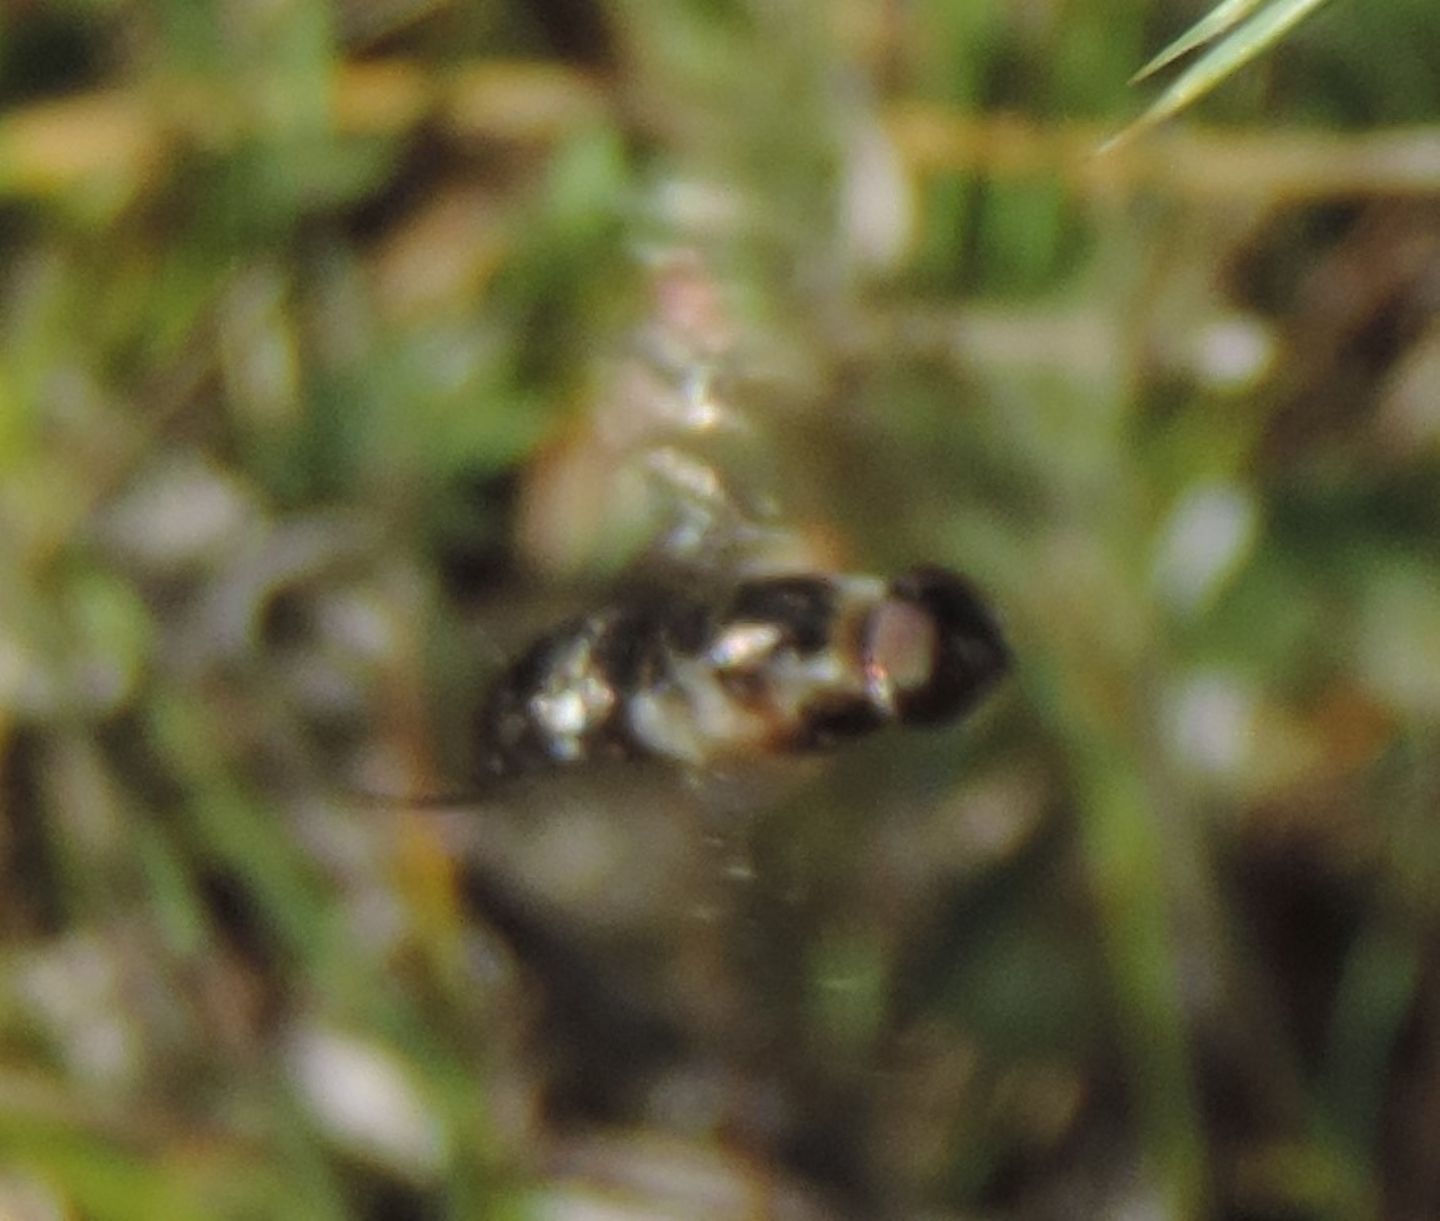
(299, 300)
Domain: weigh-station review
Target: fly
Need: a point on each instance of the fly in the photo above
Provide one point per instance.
(783, 664)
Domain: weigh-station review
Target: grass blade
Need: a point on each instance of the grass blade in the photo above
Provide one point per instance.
(1257, 34)
(1222, 17)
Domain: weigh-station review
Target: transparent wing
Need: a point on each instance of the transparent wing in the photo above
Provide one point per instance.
(664, 477)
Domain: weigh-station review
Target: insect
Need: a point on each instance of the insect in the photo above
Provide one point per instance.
(781, 658)
(735, 637)
(786, 663)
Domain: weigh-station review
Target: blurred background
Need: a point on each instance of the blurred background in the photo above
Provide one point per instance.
(325, 328)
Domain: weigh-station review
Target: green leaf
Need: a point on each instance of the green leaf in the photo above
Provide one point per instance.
(1258, 34)
(1222, 17)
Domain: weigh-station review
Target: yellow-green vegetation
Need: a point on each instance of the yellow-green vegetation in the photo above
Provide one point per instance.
(304, 306)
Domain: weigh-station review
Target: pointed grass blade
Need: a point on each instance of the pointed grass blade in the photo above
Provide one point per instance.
(1222, 17)
(1257, 34)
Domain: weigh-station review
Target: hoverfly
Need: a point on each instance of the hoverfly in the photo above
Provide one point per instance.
(641, 907)
(791, 663)
(771, 657)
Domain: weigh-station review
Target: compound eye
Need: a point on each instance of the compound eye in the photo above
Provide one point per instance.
(969, 654)
(900, 651)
